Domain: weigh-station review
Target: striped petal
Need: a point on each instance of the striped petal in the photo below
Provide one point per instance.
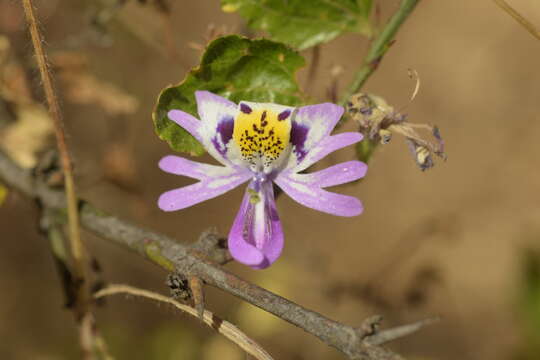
(217, 115)
(311, 124)
(316, 198)
(214, 181)
(178, 165)
(326, 146)
(256, 237)
(333, 175)
(214, 130)
(189, 123)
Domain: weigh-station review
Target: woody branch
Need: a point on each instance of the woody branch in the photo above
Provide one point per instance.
(357, 343)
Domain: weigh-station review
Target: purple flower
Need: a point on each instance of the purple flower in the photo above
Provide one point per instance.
(265, 144)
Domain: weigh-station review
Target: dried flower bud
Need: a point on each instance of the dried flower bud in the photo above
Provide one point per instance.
(378, 121)
(421, 154)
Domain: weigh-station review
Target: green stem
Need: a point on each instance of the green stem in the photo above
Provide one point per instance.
(378, 48)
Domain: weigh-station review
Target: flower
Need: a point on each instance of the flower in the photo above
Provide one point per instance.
(263, 143)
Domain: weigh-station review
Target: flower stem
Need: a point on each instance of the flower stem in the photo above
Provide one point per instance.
(519, 18)
(77, 249)
(378, 48)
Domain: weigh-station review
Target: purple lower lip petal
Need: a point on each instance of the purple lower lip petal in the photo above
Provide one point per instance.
(256, 237)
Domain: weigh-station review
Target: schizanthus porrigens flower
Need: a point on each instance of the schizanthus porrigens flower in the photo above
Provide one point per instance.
(265, 144)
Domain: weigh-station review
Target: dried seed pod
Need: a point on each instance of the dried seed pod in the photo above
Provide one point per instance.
(378, 121)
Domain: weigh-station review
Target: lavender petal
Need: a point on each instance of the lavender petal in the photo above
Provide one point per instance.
(311, 124)
(188, 122)
(328, 145)
(256, 237)
(334, 175)
(208, 188)
(319, 199)
(181, 166)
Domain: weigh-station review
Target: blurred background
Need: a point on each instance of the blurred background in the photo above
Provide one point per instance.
(460, 240)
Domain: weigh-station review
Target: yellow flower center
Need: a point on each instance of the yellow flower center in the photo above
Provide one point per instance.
(262, 132)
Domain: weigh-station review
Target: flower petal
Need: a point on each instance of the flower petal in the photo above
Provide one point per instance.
(256, 237)
(328, 145)
(334, 175)
(319, 199)
(217, 115)
(188, 122)
(181, 166)
(213, 108)
(311, 124)
(207, 188)
(215, 129)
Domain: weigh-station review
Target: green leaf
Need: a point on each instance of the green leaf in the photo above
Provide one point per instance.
(238, 69)
(302, 23)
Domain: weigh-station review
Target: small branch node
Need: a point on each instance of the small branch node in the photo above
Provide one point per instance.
(370, 326)
(213, 246)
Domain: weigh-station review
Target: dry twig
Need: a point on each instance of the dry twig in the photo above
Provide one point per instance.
(519, 18)
(224, 327)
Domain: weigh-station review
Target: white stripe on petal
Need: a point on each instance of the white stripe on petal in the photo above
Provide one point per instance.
(205, 189)
(334, 175)
(222, 181)
(326, 146)
(319, 199)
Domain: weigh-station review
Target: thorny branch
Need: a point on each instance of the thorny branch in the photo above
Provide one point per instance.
(67, 166)
(356, 343)
(81, 306)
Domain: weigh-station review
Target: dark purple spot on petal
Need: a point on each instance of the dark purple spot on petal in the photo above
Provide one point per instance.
(298, 139)
(264, 122)
(283, 115)
(224, 130)
(245, 108)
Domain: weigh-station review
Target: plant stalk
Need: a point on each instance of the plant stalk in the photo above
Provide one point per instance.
(378, 48)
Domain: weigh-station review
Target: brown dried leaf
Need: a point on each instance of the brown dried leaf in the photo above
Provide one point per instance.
(27, 136)
(24, 138)
(87, 89)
